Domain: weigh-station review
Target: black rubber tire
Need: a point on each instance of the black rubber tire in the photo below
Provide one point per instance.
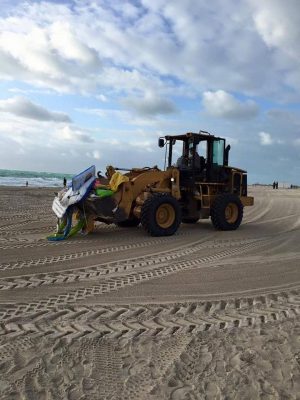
(129, 223)
(190, 220)
(148, 214)
(218, 212)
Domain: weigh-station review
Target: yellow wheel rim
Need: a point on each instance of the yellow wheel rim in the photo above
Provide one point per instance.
(165, 215)
(231, 213)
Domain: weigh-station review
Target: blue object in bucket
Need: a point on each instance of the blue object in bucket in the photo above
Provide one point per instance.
(80, 179)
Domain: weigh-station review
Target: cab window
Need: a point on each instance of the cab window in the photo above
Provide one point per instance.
(177, 150)
(218, 152)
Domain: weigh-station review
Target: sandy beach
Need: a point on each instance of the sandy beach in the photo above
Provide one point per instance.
(118, 314)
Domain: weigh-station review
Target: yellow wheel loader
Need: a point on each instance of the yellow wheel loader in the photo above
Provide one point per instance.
(196, 185)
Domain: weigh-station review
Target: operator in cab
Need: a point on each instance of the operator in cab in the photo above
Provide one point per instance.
(186, 160)
(194, 154)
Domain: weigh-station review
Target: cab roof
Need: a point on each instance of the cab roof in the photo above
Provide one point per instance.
(202, 135)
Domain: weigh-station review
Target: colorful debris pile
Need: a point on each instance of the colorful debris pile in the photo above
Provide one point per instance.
(69, 204)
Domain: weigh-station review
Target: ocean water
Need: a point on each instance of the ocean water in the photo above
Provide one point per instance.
(35, 179)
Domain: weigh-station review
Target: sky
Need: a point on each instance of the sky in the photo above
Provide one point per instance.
(97, 82)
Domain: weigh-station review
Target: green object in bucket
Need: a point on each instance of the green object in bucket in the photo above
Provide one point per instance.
(104, 193)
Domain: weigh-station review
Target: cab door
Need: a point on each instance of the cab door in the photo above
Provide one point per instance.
(216, 154)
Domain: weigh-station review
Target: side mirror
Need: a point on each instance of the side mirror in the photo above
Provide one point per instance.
(161, 142)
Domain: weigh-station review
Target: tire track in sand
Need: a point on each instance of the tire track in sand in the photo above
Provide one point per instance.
(73, 322)
(103, 269)
(78, 255)
(130, 279)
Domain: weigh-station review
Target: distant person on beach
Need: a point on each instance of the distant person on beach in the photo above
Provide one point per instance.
(26, 183)
(65, 182)
(274, 185)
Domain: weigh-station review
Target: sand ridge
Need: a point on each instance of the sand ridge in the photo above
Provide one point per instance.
(121, 315)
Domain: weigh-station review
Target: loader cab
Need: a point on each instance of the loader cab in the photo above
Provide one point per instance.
(202, 156)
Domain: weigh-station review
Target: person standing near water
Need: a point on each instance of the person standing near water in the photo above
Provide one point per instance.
(65, 182)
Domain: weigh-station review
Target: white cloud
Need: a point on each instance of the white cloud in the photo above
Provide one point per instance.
(94, 45)
(101, 97)
(119, 52)
(47, 54)
(31, 50)
(222, 104)
(152, 119)
(96, 154)
(121, 80)
(70, 134)
(144, 145)
(106, 113)
(25, 92)
(278, 23)
(149, 105)
(265, 138)
(66, 150)
(22, 107)
(297, 142)
(63, 40)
